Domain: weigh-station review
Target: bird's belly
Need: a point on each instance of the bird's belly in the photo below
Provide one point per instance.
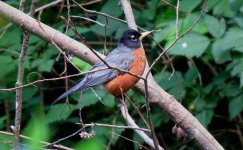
(122, 83)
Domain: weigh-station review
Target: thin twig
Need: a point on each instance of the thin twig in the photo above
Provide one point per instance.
(48, 5)
(91, 20)
(66, 80)
(155, 140)
(198, 73)
(132, 123)
(97, 96)
(177, 18)
(67, 137)
(136, 128)
(53, 79)
(188, 30)
(136, 108)
(40, 9)
(104, 14)
(171, 65)
(169, 4)
(140, 145)
(21, 5)
(239, 133)
(95, 53)
(42, 142)
(19, 82)
(64, 55)
(90, 2)
(106, 26)
(113, 126)
(87, 3)
(112, 135)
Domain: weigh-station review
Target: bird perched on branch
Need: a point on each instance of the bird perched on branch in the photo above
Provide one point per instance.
(128, 56)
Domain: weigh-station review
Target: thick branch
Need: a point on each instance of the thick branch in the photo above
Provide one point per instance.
(156, 94)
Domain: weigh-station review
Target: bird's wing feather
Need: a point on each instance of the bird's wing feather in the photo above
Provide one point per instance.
(117, 59)
(122, 61)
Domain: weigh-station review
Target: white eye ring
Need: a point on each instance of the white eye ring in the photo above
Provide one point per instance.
(133, 38)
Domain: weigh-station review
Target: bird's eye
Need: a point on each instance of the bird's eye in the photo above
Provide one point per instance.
(133, 38)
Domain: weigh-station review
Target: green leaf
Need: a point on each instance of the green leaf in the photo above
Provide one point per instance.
(191, 75)
(190, 45)
(2, 122)
(231, 89)
(239, 20)
(59, 112)
(241, 79)
(38, 130)
(46, 65)
(159, 117)
(211, 4)
(88, 97)
(80, 29)
(90, 144)
(150, 13)
(236, 69)
(7, 39)
(235, 106)
(216, 27)
(205, 117)
(5, 60)
(81, 64)
(223, 8)
(33, 39)
(189, 5)
(7, 64)
(232, 40)
(28, 93)
(170, 85)
(190, 19)
(4, 137)
(219, 52)
(163, 34)
(110, 8)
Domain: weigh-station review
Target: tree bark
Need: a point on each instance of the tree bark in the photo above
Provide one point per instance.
(157, 95)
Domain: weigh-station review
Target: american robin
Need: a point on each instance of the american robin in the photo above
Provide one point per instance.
(129, 56)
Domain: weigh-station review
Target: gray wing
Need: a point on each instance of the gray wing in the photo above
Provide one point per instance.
(117, 59)
(122, 61)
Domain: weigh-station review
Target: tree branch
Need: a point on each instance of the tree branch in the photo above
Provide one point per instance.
(19, 82)
(132, 123)
(132, 24)
(60, 147)
(155, 93)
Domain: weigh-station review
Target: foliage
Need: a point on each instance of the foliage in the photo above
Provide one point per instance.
(208, 80)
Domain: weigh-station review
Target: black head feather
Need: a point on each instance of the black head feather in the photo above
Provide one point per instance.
(130, 38)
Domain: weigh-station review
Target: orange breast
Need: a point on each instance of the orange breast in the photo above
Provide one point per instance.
(122, 83)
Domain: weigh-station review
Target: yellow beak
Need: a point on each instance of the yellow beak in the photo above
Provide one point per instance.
(144, 34)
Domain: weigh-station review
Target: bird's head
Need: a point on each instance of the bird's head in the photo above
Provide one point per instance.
(132, 38)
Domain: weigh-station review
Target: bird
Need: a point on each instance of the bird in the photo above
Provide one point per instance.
(128, 56)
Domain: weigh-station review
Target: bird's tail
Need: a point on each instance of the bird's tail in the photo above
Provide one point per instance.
(78, 87)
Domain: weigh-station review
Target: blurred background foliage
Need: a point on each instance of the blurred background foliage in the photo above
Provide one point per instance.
(208, 62)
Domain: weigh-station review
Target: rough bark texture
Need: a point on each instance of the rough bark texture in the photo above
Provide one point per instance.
(156, 94)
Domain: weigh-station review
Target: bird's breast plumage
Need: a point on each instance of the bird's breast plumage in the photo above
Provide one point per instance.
(123, 82)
